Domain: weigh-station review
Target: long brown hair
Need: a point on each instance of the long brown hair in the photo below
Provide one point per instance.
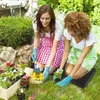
(78, 23)
(43, 9)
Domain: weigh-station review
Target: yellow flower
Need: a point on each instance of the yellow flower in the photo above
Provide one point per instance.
(37, 76)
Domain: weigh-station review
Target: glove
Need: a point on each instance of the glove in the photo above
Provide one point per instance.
(57, 74)
(65, 81)
(46, 72)
(34, 54)
(37, 70)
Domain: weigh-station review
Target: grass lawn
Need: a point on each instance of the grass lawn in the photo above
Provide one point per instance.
(50, 91)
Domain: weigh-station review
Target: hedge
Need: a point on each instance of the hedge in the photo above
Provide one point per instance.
(15, 32)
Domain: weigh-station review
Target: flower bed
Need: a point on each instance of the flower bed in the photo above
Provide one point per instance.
(10, 75)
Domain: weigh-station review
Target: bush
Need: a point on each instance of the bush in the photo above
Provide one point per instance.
(91, 7)
(15, 32)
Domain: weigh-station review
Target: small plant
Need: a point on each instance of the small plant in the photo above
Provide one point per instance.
(25, 82)
(20, 94)
(10, 73)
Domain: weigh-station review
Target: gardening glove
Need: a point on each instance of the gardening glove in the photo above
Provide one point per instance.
(46, 72)
(57, 74)
(34, 54)
(65, 81)
(37, 70)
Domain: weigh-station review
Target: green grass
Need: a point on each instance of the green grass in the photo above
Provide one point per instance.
(50, 91)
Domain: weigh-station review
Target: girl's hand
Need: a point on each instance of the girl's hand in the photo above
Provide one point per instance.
(46, 72)
(65, 81)
(37, 70)
(57, 74)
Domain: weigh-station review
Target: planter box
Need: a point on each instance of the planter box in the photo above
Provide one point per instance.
(7, 93)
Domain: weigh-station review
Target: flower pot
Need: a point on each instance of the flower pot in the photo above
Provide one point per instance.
(28, 71)
(21, 96)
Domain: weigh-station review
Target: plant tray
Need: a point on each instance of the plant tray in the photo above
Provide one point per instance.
(7, 93)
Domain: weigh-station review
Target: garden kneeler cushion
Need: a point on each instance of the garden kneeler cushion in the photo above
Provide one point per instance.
(83, 82)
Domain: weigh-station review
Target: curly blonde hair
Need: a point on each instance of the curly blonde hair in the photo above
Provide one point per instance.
(78, 23)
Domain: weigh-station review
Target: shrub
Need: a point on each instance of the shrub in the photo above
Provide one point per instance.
(91, 7)
(15, 32)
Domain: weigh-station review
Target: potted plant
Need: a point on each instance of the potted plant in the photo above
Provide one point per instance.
(21, 94)
(25, 82)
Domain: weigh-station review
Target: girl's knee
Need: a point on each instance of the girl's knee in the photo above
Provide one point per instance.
(69, 69)
(80, 73)
(67, 72)
(77, 76)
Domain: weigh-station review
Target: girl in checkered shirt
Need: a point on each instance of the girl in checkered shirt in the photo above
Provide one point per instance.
(48, 42)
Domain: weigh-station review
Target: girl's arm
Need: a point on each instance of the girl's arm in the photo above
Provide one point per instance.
(36, 41)
(65, 53)
(58, 34)
(80, 59)
(53, 52)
